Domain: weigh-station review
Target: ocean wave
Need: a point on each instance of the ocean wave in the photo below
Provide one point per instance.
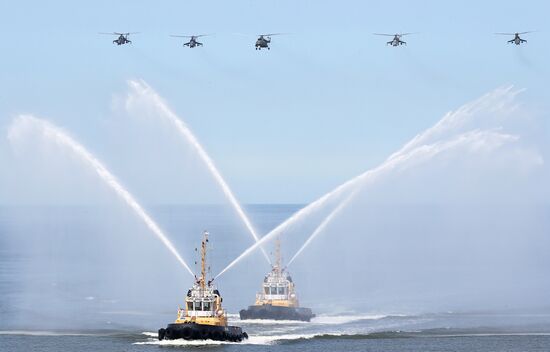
(252, 340)
(321, 319)
(268, 322)
(289, 338)
(344, 319)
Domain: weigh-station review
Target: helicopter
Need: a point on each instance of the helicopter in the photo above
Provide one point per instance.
(192, 41)
(396, 41)
(264, 40)
(122, 38)
(517, 39)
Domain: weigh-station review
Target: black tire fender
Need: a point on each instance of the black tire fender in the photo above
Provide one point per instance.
(204, 334)
(168, 333)
(186, 333)
(162, 333)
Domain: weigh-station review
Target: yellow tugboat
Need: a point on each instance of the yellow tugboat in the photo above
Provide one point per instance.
(277, 300)
(203, 317)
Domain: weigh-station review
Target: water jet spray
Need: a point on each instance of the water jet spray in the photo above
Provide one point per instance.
(24, 124)
(476, 140)
(144, 90)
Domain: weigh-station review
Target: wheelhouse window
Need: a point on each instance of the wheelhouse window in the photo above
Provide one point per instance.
(207, 306)
(280, 290)
(273, 290)
(266, 290)
(189, 305)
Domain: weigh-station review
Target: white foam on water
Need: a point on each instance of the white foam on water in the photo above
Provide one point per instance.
(252, 340)
(344, 319)
(320, 319)
(270, 322)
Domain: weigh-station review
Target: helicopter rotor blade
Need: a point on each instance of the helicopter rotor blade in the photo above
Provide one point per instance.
(506, 33)
(190, 36)
(402, 34)
(384, 34)
(526, 32)
(272, 34)
(118, 33)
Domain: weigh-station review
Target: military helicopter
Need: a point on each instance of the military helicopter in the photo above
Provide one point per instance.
(122, 38)
(517, 40)
(192, 41)
(264, 40)
(396, 41)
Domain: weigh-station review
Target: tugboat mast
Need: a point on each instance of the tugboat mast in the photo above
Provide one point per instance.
(202, 280)
(278, 255)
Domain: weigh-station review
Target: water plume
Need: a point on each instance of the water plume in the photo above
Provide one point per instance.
(493, 105)
(144, 93)
(473, 141)
(481, 141)
(322, 226)
(25, 125)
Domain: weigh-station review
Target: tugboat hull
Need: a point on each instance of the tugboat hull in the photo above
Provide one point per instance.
(276, 313)
(193, 331)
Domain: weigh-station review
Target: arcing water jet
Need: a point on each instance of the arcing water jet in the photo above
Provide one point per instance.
(323, 225)
(486, 139)
(474, 140)
(498, 101)
(24, 125)
(145, 92)
(494, 104)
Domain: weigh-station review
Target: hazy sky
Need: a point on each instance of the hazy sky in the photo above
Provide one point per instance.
(329, 101)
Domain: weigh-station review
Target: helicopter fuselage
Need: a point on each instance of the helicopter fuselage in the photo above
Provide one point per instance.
(263, 42)
(517, 40)
(193, 43)
(396, 41)
(122, 40)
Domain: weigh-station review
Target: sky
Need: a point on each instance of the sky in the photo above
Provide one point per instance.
(327, 102)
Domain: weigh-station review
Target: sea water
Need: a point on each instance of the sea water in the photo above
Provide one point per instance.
(135, 329)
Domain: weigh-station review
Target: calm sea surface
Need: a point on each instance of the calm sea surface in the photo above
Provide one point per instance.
(87, 279)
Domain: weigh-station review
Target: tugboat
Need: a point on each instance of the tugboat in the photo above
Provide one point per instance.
(203, 317)
(277, 300)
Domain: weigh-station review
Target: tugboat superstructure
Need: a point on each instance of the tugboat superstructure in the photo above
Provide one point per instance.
(277, 300)
(203, 316)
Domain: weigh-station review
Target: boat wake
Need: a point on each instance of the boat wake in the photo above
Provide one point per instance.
(345, 319)
(252, 340)
(269, 332)
(321, 320)
(276, 339)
